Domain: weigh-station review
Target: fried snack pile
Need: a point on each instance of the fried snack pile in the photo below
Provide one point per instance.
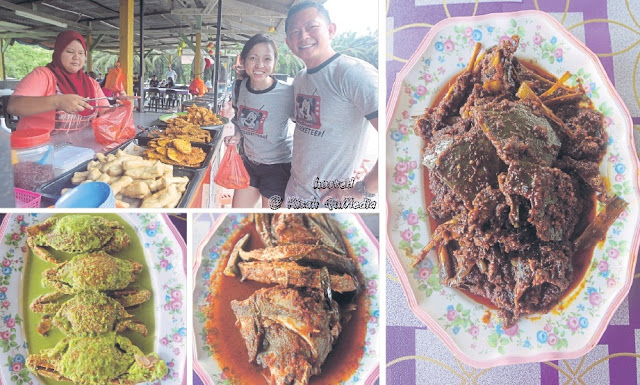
(181, 129)
(178, 152)
(131, 176)
(202, 116)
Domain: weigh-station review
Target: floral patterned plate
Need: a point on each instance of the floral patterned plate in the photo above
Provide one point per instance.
(208, 256)
(456, 319)
(165, 253)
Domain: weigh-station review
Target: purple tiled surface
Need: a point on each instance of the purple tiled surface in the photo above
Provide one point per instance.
(615, 360)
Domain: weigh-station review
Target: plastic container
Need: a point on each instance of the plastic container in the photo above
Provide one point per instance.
(88, 195)
(32, 157)
(68, 157)
(26, 199)
(7, 197)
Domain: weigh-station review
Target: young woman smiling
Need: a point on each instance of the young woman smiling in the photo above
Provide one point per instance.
(264, 107)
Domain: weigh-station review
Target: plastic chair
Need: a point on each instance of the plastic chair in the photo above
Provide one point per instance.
(172, 99)
(155, 99)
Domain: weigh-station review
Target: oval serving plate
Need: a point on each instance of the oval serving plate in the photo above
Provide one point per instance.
(166, 117)
(217, 127)
(165, 255)
(458, 321)
(207, 257)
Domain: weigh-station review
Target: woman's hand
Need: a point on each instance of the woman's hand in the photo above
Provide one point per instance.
(71, 104)
(231, 139)
(239, 70)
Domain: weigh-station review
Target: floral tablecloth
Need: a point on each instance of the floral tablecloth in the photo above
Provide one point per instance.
(415, 355)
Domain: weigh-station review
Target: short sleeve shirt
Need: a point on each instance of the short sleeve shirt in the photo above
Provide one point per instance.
(42, 82)
(334, 103)
(171, 74)
(263, 118)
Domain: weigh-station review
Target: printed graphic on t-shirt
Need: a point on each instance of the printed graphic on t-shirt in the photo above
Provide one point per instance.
(252, 120)
(308, 110)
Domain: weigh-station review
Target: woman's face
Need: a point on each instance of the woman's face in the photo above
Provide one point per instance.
(73, 57)
(260, 62)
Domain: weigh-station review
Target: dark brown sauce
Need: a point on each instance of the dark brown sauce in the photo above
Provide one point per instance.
(581, 260)
(231, 351)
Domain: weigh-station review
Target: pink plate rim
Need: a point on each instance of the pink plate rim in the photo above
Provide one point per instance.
(200, 371)
(393, 255)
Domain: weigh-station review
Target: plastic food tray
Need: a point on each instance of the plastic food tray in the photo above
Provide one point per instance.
(50, 191)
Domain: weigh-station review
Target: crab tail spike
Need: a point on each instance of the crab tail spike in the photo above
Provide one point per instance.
(45, 325)
(135, 325)
(119, 241)
(423, 253)
(46, 303)
(128, 298)
(41, 252)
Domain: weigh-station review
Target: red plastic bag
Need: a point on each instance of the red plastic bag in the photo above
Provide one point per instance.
(115, 79)
(232, 173)
(197, 87)
(116, 125)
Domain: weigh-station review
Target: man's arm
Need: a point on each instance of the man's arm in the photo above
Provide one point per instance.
(370, 180)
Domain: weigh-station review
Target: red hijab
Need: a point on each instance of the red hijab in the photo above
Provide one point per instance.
(71, 83)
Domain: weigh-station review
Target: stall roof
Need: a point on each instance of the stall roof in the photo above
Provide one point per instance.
(166, 22)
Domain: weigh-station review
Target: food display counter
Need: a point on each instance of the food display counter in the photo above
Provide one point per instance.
(84, 139)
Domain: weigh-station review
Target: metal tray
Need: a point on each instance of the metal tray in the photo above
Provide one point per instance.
(51, 190)
(142, 139)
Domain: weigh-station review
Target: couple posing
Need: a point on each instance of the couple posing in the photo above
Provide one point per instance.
(332, 102)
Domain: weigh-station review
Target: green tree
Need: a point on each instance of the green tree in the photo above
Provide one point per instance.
(103, 62)
(20, 59)
(364, 47)
(288, 63)
(361, 47)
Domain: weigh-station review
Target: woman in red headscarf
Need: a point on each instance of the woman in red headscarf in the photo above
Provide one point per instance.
(61, 85)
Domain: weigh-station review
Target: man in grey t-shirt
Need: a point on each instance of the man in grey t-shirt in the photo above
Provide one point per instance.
(336, 99)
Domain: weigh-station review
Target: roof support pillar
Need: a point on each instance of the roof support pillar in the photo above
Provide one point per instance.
(198, 51)
(126, 43)
(141, 76)
(89, 52)
(2, 71)
(217, 66)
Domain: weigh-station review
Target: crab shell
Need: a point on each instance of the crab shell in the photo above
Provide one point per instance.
(108, 358)
(94, 271)
(87, 313)
(76, 234)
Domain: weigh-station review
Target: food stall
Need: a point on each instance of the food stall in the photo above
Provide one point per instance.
(160, 28)
(163, 166)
